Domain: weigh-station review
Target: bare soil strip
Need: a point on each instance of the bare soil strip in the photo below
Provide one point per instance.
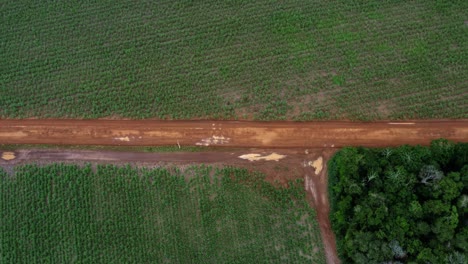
(316, 185)
(229, 133)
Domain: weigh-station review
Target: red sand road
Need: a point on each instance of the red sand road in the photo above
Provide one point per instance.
(229, 133)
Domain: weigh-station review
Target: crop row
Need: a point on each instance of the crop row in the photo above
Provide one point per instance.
(209, 59)
(65, 213)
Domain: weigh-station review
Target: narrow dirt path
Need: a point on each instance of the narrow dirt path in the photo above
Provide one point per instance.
(315, 169)
(229, 133)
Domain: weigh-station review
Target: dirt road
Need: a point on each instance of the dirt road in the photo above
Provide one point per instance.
(229, 133)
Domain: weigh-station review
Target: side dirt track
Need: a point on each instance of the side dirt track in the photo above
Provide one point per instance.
(229, 133)
(311, 145)
(279, 166)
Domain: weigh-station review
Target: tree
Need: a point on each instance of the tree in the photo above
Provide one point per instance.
(442, 151)
(461, 155)
(412, 203)
(415, 209)
(430, 174)
(460, 241)
(456, 258)
(449, 189)
(426, 256)
(464, 178)
(462, 203)
(397, 250)
(435, 207)
(444, 226)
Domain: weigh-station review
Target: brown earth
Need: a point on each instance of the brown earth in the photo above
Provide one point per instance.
(306, 146)
(229, 133)
(316, 179)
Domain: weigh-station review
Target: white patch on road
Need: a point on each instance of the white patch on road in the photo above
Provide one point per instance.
(256, 157)
(127, 139)
(317, 165)
(214, 140)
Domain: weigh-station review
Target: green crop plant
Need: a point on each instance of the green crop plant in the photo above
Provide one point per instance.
(201, 59)
(65, 213)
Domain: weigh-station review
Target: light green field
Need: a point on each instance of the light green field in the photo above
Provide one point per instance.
(326, 59)
(68, 214)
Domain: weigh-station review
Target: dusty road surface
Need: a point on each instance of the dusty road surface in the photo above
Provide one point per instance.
(238, 157)
(229, 133)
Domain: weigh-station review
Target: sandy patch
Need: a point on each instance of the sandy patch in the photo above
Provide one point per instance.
(127, 139)
(8, 156)
(256, 157)
(266, 137)
(125, 132)
(317, 165)
(214, 140)
(156, 133)
(13, 134)
(262, 135)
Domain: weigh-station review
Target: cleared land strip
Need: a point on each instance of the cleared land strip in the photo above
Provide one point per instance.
(229, 133)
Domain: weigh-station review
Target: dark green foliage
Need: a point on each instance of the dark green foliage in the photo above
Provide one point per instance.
(406, 204)
(262, 59)
(69, 214)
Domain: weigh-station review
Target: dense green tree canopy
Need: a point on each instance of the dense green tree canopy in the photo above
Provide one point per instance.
(401, 205)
